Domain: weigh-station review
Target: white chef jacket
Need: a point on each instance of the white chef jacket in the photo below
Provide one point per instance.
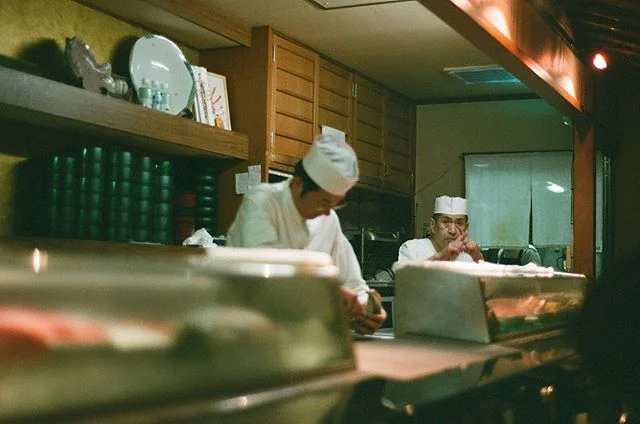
(421, 249)
(268, 218)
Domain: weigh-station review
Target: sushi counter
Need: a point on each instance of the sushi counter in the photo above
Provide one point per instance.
(259, 335)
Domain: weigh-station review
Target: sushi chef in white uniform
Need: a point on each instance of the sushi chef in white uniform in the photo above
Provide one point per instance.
(298, 214)
(448, 239)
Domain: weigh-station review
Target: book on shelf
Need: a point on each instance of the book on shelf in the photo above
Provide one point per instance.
(201, 107)
(211, 102)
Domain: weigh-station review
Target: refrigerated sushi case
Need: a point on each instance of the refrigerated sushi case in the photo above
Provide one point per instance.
(482, 302)
(229, 335)
(466, 333)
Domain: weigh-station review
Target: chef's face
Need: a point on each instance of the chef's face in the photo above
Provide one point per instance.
(446, 228)
(314, 203)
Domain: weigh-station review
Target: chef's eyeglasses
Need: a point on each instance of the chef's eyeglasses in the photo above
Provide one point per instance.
(327, 205)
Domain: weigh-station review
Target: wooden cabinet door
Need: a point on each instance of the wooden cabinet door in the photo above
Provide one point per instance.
(399, 143)
(368, 134)
(294, 95)
(334, 98)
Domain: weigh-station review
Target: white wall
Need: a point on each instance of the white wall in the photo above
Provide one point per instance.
(444, 132)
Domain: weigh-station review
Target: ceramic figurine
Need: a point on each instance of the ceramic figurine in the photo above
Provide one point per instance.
(95, 77)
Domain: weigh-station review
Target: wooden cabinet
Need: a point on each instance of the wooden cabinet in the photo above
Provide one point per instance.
(399, 143)
(294, 93)
(384, 137)
(273, 92)
(282, 93)
(335, 98)
(368, 130)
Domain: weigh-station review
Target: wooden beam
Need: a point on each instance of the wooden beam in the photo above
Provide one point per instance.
(604, 28)
(511, 58)
(633, 48)
(621, 5)
(584, 195)
(206, 16)
(579, 15)
(190, 22)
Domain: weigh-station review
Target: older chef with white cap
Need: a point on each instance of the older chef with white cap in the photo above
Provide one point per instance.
(298, 214)
(448, 239)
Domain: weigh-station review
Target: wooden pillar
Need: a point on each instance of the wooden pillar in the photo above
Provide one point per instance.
(584, 198)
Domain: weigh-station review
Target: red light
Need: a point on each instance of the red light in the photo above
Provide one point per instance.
(599, 61)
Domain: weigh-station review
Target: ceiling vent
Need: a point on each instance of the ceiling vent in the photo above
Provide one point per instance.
(488, 74)
(341, 4)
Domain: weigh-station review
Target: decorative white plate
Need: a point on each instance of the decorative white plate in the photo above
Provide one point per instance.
(159, 59)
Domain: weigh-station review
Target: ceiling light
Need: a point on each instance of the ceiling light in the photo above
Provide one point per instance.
(339, 4)
(487, 74)
(599, 61)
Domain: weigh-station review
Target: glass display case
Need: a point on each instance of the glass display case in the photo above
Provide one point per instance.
(482, 302)
(85, 332)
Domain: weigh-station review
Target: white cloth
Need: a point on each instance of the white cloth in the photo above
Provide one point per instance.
(421, 249)
(268, 218)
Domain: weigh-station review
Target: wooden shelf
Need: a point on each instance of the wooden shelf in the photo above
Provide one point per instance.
(41, 102)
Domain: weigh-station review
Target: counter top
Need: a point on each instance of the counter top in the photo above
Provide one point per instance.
(380, 283)
(421, 370)
(416, 358)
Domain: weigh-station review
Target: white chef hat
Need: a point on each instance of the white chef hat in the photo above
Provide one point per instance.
(332, 164)
(450, 205)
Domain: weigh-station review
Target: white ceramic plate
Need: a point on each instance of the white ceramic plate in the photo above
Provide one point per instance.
(158, 58)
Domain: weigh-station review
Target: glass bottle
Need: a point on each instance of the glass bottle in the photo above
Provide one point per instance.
(166, 98)
(145, 95)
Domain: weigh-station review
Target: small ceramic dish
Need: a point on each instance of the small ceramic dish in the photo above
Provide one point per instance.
(157, 58)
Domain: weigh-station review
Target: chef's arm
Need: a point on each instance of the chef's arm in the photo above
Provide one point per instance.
(355, 287)
(347, 262)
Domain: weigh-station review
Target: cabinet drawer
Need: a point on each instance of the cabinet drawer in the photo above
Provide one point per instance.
(398, 128)
(291, 148)
(398, 145)
(334, 120)
(368, 152)
(370, 173)
(368, 134)
(398, 110)
(294, 85)
(369, 116)
(398, 162)
(293, 128)
(292, 59)
(398, 180)
(294, 106)
(332, 101)
(370, 95)
(335, 79)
